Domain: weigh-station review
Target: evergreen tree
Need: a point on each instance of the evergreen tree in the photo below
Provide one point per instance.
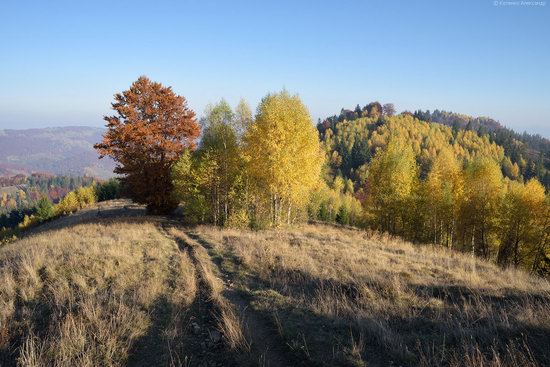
(44, 209)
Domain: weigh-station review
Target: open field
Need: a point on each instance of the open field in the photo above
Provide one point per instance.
(91, 294)
(118, 289)
(346, 297)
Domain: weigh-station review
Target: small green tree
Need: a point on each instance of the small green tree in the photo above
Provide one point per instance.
(108, 190)
(44, 209)
(343, 215)
(193, 177)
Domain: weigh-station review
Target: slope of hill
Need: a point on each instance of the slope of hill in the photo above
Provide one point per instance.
(524, 155)
(111, 286)
(531, 147)
(57, 150)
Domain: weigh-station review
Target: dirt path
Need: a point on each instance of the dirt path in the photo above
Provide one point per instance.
(203, 345)
(268, 348)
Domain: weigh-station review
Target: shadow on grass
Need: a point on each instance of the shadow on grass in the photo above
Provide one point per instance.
(407, 338)
(151, 349)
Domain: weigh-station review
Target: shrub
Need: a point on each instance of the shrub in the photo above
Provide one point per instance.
(85, 196)
(343, 215)
(108, 190)
(238, 219)
(44, 209)
(68, 204)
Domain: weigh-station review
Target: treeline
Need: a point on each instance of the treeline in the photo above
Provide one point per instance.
(21, 192)
(531, 152)
(44, 209)
(426, 182)
(463, 205)
(526, 155)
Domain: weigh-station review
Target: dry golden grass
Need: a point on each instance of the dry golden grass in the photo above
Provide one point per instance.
(88, 294)
(228, 321)
(124, 291)
(350, 297)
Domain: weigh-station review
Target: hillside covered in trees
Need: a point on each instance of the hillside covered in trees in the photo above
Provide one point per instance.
(432, 250)
(525, 154)
(451, 185)
(427, 182)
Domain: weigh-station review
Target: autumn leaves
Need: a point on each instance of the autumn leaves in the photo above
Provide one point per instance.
(418, 180)
(248, 172)
(149, 132)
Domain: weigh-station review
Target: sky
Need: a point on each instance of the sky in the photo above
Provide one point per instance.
(62, 61)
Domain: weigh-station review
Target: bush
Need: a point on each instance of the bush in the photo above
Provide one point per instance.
(27, 221)
(44, 209)
(68, 204)
(85, 196)
(238, 219)
(108, 190)
(343, 215)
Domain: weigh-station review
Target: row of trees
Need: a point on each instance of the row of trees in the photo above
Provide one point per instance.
(251, 172)
(423, 181)
(469, 207)
(248, 171)
(44, 209)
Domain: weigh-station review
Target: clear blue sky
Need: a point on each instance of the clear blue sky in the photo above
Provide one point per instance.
(62, 61)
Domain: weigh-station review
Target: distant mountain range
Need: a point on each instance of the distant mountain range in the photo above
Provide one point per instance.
(56, 150)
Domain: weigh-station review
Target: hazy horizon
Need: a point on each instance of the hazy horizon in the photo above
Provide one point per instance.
(480, 58)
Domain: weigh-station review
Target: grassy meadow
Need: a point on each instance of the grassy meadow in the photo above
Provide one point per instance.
(145, 290)
(348, 297)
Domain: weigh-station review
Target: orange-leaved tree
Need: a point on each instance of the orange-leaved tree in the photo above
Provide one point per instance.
(151, 129)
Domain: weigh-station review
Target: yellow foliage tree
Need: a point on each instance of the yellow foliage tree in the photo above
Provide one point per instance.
(444, 188)
(283, 155)
(523, 217)
(85, 196)
(391, 181)
(68, 204)
(482, 197)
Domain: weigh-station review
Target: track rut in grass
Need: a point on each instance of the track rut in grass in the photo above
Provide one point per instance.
(203, 344)
(267, 347)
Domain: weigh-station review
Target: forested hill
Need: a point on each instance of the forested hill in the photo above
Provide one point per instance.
(529, 145)
(353, 136)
